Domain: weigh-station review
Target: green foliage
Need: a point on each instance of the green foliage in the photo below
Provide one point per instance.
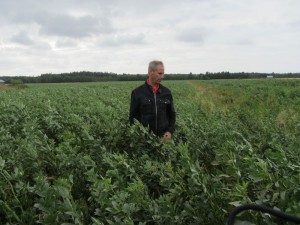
(86, 76)
(69, 156)
(15, 81)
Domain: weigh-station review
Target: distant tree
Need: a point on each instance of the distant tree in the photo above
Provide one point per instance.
(85, 76)
(15, 81)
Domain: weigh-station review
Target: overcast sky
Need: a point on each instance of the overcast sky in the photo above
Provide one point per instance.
(55, 36)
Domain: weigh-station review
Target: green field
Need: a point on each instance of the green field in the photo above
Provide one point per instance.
(69, 156)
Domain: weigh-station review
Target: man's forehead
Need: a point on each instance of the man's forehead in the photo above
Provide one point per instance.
(160, 67)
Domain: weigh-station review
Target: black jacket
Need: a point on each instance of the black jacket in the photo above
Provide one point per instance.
(155, 111)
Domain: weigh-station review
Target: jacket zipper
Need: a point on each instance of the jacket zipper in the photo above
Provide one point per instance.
(155, 113)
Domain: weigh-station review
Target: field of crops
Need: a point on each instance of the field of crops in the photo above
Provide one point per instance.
(69, 156)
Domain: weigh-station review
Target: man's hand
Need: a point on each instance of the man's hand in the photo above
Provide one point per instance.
(167, 136)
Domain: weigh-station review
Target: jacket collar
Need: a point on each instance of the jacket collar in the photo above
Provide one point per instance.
(150, 88)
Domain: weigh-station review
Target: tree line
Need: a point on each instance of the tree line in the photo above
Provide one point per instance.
(85, 76)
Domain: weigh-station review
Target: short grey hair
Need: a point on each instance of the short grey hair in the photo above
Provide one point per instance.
(153, 64)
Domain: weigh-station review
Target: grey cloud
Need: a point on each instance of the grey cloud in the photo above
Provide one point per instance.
(32, 43)
(192, 35)
(81, 31)
(67, 25)
(70, 26)
(56, 18)
(124, 39)
(295, 24)
(22, 38)
(65, 43)
(10, 8)
(245, 42)
(238, 34)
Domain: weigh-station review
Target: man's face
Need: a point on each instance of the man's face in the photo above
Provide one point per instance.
(158, 75)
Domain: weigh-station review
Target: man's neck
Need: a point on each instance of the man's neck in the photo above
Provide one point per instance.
(155, 87)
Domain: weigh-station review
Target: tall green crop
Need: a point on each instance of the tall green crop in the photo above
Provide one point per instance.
(69, 156)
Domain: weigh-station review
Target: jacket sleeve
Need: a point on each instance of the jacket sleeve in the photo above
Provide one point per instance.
(134, 108)
(172, 117)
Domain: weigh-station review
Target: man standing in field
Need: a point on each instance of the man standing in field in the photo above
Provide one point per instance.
(152, 103)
